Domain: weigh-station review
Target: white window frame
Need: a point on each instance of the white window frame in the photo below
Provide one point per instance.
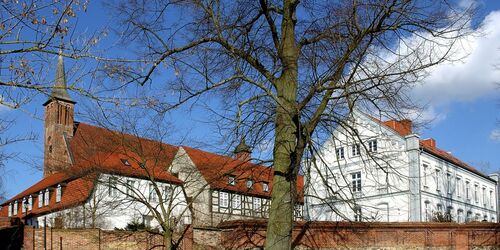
(152, 193)
(257, 205)
(46, 198)
(130, 187)
(14, 210)
(112, 186)
(356, 149)
(425, 167)
(24, 205)
(265, 186)
(58, 193)
(236, 201)
(339, 152)
(373, 146)
(30, 203)
(356, 182)
(476, 192)
(467, 190)
(40, 199)
(223, 199)
(249, 183)
(459, 186)
(11, 208)
(437, 179)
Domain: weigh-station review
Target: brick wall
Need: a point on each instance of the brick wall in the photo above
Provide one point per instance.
(331, 235)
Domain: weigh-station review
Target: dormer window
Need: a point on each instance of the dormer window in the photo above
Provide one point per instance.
(58, 193)
(30, 203)
(46, 197)
(40, 199)
(265, 187)
(249, 183)
(24, 205)
(125, 162)
(232, 180)
(14, 210)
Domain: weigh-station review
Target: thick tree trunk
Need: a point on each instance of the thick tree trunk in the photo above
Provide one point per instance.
(280, 223)
(167, 240)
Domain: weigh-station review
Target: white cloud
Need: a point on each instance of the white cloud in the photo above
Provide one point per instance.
(472, 77)
(495, 135)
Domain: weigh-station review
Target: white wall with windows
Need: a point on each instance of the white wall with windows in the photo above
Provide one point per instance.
(118, 200)
(365, 176)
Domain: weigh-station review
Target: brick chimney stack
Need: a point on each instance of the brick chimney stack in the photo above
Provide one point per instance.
(242, 151)
(59, 113)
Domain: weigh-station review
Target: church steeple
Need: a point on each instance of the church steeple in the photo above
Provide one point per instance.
(59, 91)
(59, 112)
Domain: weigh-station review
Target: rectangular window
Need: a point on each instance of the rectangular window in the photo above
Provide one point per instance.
(467, 190)
(356, 149)
(130, 187)
(437, 178)
(372, 146)
(460, 216)
(46, 199)
(10, 209)
(40, 199)
(357, 214)
(448, 182)
(14, 211)
(265, 187)
(152, 192)
(428, 216)
(458, 188)
(476, 193)
(257, 204)
(356, 182)
(30, 203)
(492, 199)
(223, 199)
(339, 152)
(236, 201)
(112, 187)
(58, 193)
(426, 173)
(484, 196)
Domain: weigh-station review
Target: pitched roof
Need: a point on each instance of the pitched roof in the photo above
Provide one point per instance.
(216, 170)
(97, 150)
(403, 128)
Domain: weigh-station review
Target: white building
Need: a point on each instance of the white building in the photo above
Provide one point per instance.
(381, 171)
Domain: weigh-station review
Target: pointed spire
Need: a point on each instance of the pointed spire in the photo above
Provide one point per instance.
(242, 147)
(59, 91)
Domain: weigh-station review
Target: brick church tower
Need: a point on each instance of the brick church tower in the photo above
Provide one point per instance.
(59, 112)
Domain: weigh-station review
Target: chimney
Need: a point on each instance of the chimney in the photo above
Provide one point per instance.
(403, 127)
(430, 142)
(242, 151)
(59, 115)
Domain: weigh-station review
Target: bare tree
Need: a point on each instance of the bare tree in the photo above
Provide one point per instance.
(287, 71)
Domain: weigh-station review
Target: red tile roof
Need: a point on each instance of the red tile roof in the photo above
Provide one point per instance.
(403, 128)
(216, 170)
(97, 150)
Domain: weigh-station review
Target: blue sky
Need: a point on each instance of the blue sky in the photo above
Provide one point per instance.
(463, 100)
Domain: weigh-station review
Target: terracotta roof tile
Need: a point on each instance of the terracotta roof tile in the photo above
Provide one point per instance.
(216, 169)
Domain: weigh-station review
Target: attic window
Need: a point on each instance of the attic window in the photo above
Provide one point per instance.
(232, 180)
(125, 162)
(265, 186)
(249, 183)
(142, 165)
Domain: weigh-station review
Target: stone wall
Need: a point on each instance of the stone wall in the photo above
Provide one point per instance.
(345, 235)
(89, 239)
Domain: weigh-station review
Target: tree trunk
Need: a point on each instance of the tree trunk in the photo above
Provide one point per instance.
(280, 223)
(167, 239)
